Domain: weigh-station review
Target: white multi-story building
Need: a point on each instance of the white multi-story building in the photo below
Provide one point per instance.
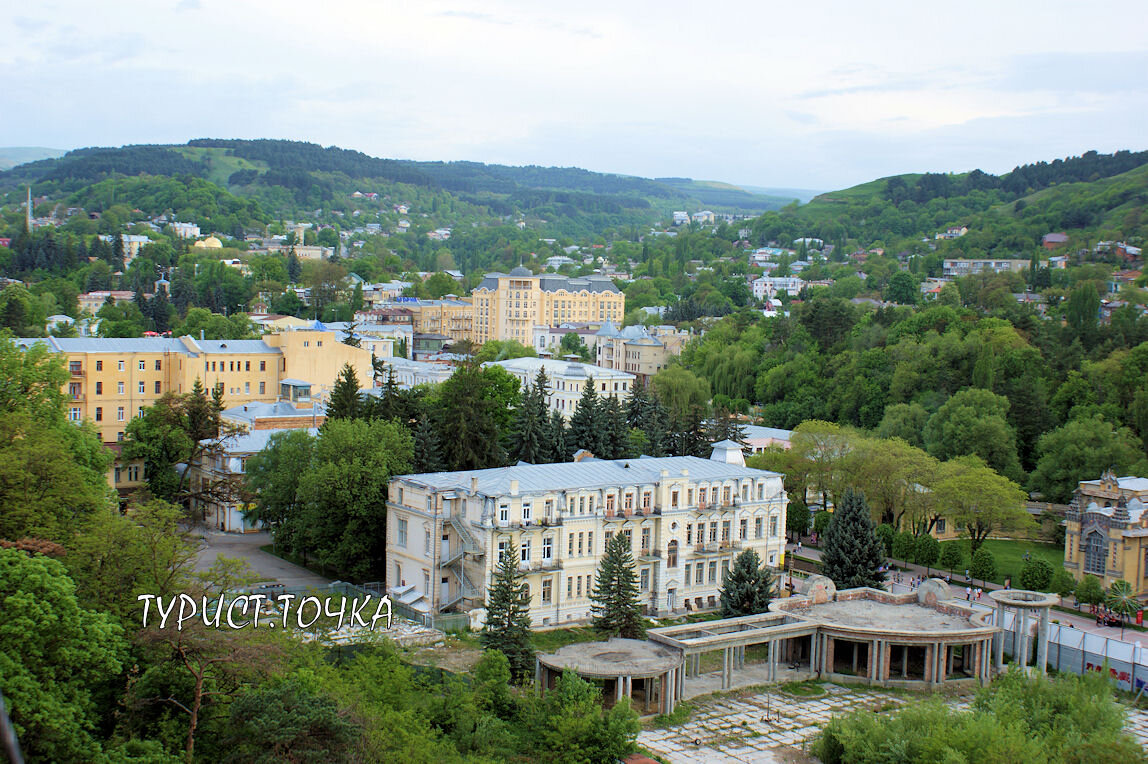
(686, 519)
(568, 379)
(768, 287)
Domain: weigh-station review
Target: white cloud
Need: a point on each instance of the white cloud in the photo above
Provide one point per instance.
(815, 94)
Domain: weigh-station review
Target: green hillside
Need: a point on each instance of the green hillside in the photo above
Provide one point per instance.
(10, 156)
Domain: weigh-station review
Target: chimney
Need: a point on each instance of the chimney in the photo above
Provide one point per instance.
(513, 487)
(474, 484)
(200, 334)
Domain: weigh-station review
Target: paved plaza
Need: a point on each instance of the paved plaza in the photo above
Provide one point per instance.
(773, 727)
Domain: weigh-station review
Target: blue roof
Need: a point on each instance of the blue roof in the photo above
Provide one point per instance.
(235, 346)
(592, 474)
(108, 344)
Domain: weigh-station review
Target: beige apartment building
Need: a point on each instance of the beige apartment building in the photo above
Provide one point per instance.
(635, 349)
(509, 306)
(686, 519)
(113, 380)
(449, 317)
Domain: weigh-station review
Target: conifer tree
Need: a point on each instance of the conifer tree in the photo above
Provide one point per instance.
(345, 402)
(658, 434)
(427, 454)
(616, 443)
(557, 437)
(528, 439)
(639, 408)
(615, 596)
(294, 267)
(507, 627)
(747, 587)
(853, 553)
(585, 420)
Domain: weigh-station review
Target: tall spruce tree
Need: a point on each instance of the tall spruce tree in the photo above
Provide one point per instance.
(658, 433)
(586, 421)
(345, 401)
(615, 597)
(427, 453)
(747, 587)
(616, 443)
(507, 626)
(557, 438)
(528, 438)
(853, 553)
(639, 408)
(294, 267)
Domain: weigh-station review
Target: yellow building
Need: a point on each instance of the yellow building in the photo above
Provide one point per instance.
(638, 350)
(114, 380)
(449, 317)
(1106, 531)
(509, 306)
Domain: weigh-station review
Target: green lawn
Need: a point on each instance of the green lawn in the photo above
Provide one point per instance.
(1009, 556)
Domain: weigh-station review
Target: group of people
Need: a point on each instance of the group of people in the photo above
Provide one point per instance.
(973, 595)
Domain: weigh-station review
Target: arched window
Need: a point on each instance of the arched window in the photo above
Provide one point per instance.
(672, 555)
(1094, 553)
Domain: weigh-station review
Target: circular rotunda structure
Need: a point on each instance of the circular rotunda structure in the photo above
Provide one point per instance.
(1031, 609)
(648, 673)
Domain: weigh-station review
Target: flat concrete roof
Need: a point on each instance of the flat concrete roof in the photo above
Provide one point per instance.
(884, 616)
(614, 657)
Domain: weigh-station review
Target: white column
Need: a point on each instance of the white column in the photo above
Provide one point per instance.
(1042, 642)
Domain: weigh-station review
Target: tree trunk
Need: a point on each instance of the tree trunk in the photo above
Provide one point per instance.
(194, 722)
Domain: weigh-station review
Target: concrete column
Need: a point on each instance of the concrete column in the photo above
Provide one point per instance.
(726, 671)
(1024, 638)
(537, 676)
(1042, 642)
(619, 686)
(904, 661)
(999, 638)
(830, 648)
(930, 662)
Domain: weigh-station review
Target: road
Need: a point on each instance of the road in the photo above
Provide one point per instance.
(1084, 621)
(267, 567)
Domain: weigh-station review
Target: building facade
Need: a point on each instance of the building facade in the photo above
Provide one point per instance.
(686, 519)
(509, 306)
(637, 350)
(1106, 531)
(568, 379)
(113, 380)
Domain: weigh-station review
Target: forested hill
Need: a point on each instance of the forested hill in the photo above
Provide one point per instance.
(1097, 195)
(290, 177)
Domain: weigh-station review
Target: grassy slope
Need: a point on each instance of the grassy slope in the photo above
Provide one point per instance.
(1009, 556)
(221, 164)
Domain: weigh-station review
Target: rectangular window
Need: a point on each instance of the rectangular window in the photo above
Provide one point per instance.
(143, 365)
(262, 388)
(743, 531)
(646, 501)
(581, 505)
(609, 535)
(590, 505)
(687, 579)
(629, 503)
(761, 491)
(773, 527)
(503, 547)
(403, 533)
(699, 573)
(426, 542)
(645, 579)
(609, 504)
(120, 388)
(725, 531)
(262, 366)
(74, 414)
(673, 498)
(99, 414)
(713, 531)
(569, 587)
(120, 437)
(580, 548)
(120, 414)
(940, 525)
(525, 551)
(547, 549)
(690, 497)
(629, 538)
(579, 587)
(689, 533)
(139, 411)
(99, 365)
(157, 387)
(713, 571)
(246, 388)
(590, 543)
(159, 366)
(142, 387)
(117, 474)
(757, 527)
(247, 365)
(526, 512)
(547, 589)
(120, 365)
(99, 388)
(504, 513)
(645, 541)
(570, 545)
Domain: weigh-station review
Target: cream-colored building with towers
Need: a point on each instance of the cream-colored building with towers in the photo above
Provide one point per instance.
(507, 306)
(686, 518)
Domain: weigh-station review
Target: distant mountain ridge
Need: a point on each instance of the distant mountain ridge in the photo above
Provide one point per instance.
(11, 156)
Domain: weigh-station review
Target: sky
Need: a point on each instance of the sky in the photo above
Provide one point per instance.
(816, 95)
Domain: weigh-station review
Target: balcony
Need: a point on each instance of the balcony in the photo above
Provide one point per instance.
(650, 555)
(534, 566)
